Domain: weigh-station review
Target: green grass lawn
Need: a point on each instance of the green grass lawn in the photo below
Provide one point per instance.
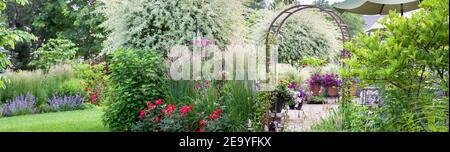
(72, 121)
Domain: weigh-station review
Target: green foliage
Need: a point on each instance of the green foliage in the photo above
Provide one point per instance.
(158, 24)
(95, 82)
(313, 62)
(75, 20)
(8, 38)
(317, 99)
(407, 62)
(55, 51)
(355, 23)
(137, 76)
(71, 87)
(299, 41)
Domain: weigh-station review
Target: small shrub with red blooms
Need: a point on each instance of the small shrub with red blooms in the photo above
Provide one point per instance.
(160, 117)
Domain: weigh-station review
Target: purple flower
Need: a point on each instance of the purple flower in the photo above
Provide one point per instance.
(24, 104)
(65, 103)
(292, 85)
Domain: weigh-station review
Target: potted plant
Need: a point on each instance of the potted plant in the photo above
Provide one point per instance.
(280, 96)
(332, 83)
(354, 86)
(298, 94)
(315, 83)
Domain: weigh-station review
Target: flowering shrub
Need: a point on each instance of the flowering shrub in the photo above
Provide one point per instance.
(65, 103)
(136, 76)
(24, 104)
(95, 81)
(159, 117)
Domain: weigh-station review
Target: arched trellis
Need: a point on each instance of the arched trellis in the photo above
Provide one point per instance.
(278, 22)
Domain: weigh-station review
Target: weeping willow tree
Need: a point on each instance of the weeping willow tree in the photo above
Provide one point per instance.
(306, 34)
(299, 41)
(159, 24)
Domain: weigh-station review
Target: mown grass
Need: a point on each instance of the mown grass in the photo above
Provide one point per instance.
(72, 121)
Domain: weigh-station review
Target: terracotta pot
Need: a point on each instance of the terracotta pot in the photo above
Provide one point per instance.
(353, 90)
(315, 89)
(332, 91)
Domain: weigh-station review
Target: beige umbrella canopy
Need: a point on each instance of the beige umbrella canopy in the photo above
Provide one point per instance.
(373, 7)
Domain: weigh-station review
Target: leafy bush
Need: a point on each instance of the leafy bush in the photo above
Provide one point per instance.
(55, 51)
(410, 69)
(24, 104)
(65, 103)
(137, 76)
(71, 87)
(95, 81)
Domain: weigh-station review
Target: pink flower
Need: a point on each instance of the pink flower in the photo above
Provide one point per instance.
(206, 84)
(142, 114)
(159, 102)
(197, 87)
(157, 119)
(190, 107)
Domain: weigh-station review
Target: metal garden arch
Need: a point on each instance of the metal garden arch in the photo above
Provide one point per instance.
(274, 30)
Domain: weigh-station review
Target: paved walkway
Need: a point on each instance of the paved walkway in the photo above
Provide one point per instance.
(298, 121)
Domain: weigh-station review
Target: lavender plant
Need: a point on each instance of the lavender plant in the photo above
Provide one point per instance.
(23, 104)
(65, 103)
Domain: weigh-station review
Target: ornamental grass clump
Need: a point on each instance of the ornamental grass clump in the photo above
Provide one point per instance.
(24, 104)
(65, 103)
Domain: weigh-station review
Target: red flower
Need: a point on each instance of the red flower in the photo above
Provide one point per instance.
(170, 108)
(151, 105)
(211, 116)
(142, 114)
(94, 97)
(157, 119)
(184, 110)
(190, 107)
(218, 111)
(164, 110)
(202, 123)
(159, 102)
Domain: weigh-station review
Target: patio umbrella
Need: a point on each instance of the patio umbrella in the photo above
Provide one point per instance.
(377, 25)
(373, 7)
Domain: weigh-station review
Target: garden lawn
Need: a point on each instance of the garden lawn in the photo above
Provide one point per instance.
(72, 121)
